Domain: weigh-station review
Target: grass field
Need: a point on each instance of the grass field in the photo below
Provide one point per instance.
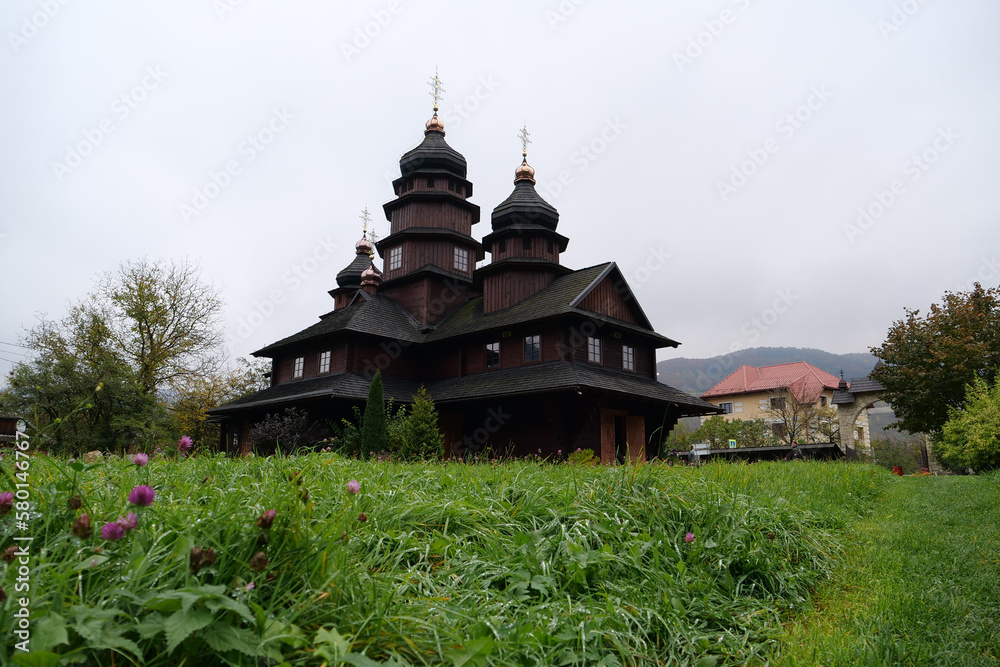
(919, 583)
(514, 564)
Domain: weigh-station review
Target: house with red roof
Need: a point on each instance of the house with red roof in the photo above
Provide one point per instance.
(752, 392)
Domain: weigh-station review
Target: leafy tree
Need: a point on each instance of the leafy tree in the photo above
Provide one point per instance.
(890, 452)
(162, 320)
(374, 426)
(930, 359)
(196, 394)
(421, 437)
(143, 335)
(971, 437)
(755, 433)
(717, 431)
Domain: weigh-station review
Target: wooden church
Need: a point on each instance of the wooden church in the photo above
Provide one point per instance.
(520, 355)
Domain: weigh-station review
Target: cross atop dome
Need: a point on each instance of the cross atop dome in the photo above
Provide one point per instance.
(523, 136)
(436, 90)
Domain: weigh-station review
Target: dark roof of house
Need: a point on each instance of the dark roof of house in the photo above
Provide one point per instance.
(530, 379)
(558, 298)
(372, 314)
(379, 315)
(342, 385)
(857, 386)
(557, 376)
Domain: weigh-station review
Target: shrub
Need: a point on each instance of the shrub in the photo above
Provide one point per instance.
(971, 437)
(374, 425)
(582, 457)
(281, 432)
(421, 438)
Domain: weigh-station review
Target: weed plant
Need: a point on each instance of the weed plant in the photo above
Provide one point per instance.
(447, 563)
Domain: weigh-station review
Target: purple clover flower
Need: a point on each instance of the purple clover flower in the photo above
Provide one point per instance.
(689, 538)
(184, 444)
(129, 522)
(112, 531)
(354, 486)
(141, 459)
(142, 495)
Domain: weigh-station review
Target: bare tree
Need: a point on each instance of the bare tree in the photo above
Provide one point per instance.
(796, 421)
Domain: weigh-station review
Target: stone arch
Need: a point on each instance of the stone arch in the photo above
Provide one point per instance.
(848, 414)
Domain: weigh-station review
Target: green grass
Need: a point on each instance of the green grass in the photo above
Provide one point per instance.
(521, 563)
(919, 583)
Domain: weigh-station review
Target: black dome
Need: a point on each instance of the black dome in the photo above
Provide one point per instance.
(351, 276)
(525, 206)
(433, 154)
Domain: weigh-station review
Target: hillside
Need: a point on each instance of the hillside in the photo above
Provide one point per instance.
(695, 376)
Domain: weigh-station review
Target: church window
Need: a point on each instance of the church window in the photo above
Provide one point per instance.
(594, 349)
(324, 362)
(628, 357)
(299, 364)
(492, 355)
(526, 244)
(503, 246)
(461, 260)
(551, 249)
(430, 182)
(532, 348)
(395, 258)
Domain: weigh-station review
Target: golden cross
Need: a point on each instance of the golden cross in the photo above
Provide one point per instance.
(366, 217)
(371, 253)
(523, 136)
(437, 89)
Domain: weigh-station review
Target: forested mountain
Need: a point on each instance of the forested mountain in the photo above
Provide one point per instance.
(696, 376)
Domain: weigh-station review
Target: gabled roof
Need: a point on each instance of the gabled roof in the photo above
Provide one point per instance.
(558, 298)
(857, 386)
(802, 379)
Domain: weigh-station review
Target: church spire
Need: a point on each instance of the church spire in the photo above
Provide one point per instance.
(524, 172)
(435, 124)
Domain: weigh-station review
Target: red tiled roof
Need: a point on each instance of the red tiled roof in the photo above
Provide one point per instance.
(803, 380)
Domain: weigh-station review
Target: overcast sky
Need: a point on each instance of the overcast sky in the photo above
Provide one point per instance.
(765, 173)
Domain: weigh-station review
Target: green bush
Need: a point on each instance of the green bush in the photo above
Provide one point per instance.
(421, 438)
(889, 453)
(582, 457)
(971, 437)
(375, 426)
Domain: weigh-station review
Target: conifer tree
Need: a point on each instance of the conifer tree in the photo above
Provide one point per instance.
(374, 427)
(421, 437)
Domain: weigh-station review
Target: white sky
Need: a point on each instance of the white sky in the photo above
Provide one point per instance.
(642, 138)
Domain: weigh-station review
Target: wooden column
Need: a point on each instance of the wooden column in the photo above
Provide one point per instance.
(607, 437)
(635, 436)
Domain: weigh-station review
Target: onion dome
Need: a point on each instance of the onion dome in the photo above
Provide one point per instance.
(525, 205)
(351, 275)
(433, 154)
(524, 172)
(371, 276)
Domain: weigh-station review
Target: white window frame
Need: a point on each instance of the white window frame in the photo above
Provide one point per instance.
(461, 260)
(593, 349)
(489, 349)
(324, 362)
(298, 367)
(628, 357)
(395, 258)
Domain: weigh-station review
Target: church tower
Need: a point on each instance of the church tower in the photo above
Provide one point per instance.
(429, 256)
(524, 244)
(349, 280)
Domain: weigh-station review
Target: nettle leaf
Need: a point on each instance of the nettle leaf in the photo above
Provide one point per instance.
(360, 660)
(150, 626)
(223, 637)
(48, 632)
(474, 653)
(181, 624)
(332, 644)
(36, 659)
(222, 602)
